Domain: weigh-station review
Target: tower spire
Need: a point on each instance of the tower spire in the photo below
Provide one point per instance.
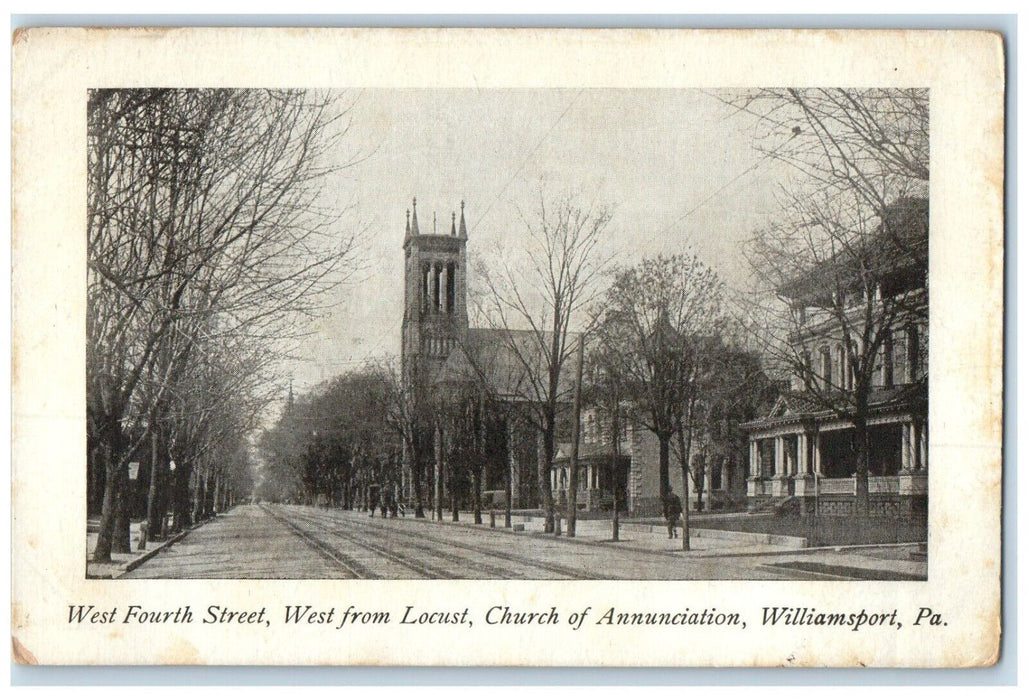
(453, 223)
(408, 223)
(414, 219)
(463, 224)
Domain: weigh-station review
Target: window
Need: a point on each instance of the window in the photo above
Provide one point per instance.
(450, 286)
(913, 349)
(886, 353)
(426, 272)
(840, 369)
(826, 368)
(437, 292)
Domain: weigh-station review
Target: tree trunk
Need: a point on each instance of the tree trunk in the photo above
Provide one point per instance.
(575, 437)
(105, 538)
(216, 496)
(544, 458)
(685, 447)
(615, 479)
(476, 494)
(863, 496)
(121, 538)
(508, 492)
(94, 481)
(153, 496)
(417, 478)
(437, 496)
(199, 499)
(664, 465)
(180, 505)
(451, 473)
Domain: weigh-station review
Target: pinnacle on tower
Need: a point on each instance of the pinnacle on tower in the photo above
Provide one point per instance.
(463, 224)
(453, 223)
(408, 222)
(414, 219)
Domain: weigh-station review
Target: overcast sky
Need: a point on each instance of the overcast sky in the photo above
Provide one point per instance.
(676, 167)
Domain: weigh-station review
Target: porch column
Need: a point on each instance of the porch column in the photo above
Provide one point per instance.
(754, 459)
(779, 456)
(923, 447)
(817, 453)
(907, 447)
(802, 463)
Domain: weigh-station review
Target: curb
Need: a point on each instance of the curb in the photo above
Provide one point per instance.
(608, 544)
(151, 553)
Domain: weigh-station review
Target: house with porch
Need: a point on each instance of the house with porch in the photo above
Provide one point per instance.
(631, 472)
(860, 344)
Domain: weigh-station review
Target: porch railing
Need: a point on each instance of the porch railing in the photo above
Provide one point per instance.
(882, 484)
(837, 486)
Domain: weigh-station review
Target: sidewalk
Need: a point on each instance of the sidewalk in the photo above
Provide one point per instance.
(637, 535)
(126, 561)
(888, 562)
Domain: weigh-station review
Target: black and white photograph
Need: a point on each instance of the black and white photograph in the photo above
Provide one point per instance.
(507, 347)
(508, 334)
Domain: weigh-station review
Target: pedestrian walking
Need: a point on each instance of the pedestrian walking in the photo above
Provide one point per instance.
(672, 513)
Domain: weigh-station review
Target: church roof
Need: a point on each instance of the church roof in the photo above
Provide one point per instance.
(511, 363)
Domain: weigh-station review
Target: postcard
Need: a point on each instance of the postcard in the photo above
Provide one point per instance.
(541, 347)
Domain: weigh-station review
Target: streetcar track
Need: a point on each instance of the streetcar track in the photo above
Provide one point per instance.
(447, 556)
(406, 562)
(506, 556)
(324, 549)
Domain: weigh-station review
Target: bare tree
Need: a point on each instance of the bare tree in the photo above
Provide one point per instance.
(872, 143)
(604, 386)
(409, 415)
(544, 300)
(841, 268)
(202, 206)
(843, 299)
(658, 327)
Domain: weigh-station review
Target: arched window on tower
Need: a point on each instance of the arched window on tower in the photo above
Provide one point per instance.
(437, 274)
(426, 272)
(450, 286)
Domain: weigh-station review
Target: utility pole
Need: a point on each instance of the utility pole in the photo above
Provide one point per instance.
(438, 490)
(575, 436)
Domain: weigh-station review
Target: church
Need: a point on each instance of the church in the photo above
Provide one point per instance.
(493, 455)
(472, 395)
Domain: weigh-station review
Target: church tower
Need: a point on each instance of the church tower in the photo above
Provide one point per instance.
(435, 314)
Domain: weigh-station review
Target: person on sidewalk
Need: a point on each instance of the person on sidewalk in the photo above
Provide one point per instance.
(672, 512)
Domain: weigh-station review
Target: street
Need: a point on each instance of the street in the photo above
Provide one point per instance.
(302, 542)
